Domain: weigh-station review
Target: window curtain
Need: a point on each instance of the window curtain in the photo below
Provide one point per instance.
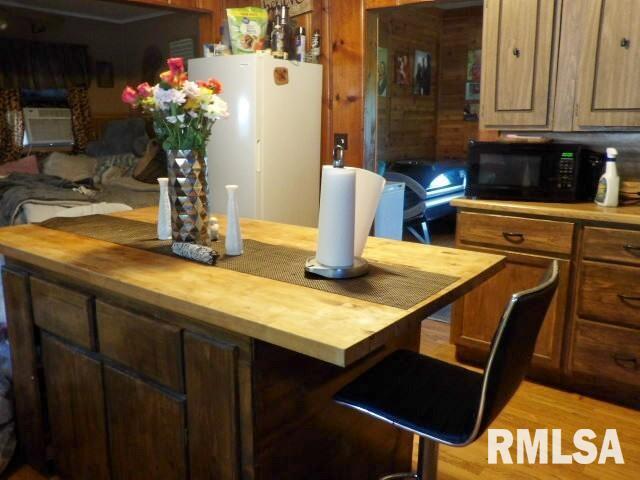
(38, 65)
(81, 121)
(11, 125)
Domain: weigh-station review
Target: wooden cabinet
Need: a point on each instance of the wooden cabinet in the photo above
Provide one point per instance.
(562, 65)
(76, 411)
(590, 338)
(608, 93)
(518, 54)
(477, 315)
(147, 429)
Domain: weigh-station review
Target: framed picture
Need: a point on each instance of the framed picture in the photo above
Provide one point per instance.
(472, 91)
(402, 69)
(104, 74)
(474, 65)
(422, 73)
(471, 111)
(383, 72)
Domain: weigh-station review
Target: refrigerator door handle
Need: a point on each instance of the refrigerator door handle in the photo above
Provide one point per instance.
(258, 156)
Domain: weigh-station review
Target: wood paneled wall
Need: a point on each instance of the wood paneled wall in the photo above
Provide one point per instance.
(461, 32)
(407, 123)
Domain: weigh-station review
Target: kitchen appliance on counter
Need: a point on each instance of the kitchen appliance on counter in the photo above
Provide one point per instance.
(549, 172)
(270, 144)
(429, 188)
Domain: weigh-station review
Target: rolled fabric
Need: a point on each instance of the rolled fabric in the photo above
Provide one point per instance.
(198, 253)
(336, 222)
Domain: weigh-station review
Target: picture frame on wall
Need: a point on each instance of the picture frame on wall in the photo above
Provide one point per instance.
(383, 72)
(472, 91)
(402, 69)
(104, 75)
(422, 73)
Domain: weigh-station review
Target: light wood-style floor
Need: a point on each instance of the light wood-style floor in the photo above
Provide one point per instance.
(534, 406)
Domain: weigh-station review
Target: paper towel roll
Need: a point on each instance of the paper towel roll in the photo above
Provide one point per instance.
(337, 217)
(369, 187)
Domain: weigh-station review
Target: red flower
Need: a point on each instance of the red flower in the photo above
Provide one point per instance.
(129, 95)
(176, 65)
(144, 90)
(212, 84)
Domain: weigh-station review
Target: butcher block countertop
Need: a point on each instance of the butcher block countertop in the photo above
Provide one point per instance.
(325, 326)
(628, 215)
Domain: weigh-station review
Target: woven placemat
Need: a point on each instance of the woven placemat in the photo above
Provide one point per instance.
(391, 285)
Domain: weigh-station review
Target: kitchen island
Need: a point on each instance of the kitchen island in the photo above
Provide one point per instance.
(132, 364)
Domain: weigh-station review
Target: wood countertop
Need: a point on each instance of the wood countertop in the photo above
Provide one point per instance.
(629, 215)
(325, 326)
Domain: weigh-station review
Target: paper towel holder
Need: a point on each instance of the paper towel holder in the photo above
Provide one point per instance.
(359, 268)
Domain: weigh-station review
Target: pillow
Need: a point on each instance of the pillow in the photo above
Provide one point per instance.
(70, 167)
(24, 165)
(126, 162)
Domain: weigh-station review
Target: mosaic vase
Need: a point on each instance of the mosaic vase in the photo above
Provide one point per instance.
(188, 191)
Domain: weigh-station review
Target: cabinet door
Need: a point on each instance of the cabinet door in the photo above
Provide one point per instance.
(76, 411)
(146, 429)
(608, 93)
(518, 50)
(477, 314)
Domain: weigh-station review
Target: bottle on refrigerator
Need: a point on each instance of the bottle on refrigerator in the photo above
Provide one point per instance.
(301, 44)
(609, 185)
(316, 41)
(287, 31)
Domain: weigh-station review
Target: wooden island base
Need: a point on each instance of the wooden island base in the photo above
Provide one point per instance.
(133, 391)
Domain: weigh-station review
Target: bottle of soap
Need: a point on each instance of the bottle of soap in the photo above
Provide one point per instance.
(609, 185)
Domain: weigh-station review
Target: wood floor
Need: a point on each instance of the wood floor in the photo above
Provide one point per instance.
(534, 406)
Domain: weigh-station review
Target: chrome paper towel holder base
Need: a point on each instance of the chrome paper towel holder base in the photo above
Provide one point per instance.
(359, 268)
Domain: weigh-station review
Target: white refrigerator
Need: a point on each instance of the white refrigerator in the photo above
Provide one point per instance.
(270, 144)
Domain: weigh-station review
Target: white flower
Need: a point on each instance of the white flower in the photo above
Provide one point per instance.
(172, 119)
(192, 114)
(191, 89)
(216, 109)
(165, 97)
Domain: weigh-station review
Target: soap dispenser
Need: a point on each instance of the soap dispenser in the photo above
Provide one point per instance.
(609, 185)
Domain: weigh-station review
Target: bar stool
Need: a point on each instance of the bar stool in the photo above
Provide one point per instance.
(445, 403)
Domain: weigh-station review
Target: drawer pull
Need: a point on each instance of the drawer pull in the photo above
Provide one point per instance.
(626, 361)
(628, 299)
(513, 237)
(633, 249)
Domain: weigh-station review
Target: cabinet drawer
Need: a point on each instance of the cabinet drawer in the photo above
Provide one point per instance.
(610, 293)
(63, 312)
(149, 347)
(612, 245)
(608, 352)
(515, 232)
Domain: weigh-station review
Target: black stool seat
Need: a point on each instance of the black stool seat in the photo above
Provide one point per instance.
(429, 397)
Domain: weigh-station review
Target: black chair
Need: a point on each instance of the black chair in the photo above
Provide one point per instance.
(445, 403)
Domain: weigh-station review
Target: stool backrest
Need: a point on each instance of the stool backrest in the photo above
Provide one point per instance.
(512, 348)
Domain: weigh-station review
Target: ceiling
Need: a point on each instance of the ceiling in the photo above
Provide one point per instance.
(118, 13)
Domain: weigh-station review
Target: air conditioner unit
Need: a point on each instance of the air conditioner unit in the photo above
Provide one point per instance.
(47, 127)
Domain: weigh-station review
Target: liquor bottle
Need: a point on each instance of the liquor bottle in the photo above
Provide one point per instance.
(287, 31)
(301, 44)
(316, 42)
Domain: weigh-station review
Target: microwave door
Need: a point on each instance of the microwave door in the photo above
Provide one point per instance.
(508, 174)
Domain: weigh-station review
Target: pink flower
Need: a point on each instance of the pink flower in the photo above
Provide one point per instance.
(176, 65)
(129, 95)
(144, 90)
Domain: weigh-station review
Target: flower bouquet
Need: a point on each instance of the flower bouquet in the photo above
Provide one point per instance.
(183, 114)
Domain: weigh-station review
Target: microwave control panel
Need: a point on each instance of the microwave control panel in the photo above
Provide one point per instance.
(566, 170)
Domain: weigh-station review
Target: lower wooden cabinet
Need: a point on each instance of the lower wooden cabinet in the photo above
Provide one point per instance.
(147, 429)
(477, 315)
(76, 407)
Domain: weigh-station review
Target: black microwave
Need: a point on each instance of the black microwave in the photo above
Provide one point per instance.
(549, 172)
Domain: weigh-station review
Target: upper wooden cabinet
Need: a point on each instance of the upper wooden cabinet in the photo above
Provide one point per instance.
(562, 65)
(608, 93)
(518, 53)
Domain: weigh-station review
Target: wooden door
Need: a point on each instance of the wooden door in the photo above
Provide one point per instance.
(518, 51)
(477, 314)
(147, 429)
(609, 72)
(77, 418)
